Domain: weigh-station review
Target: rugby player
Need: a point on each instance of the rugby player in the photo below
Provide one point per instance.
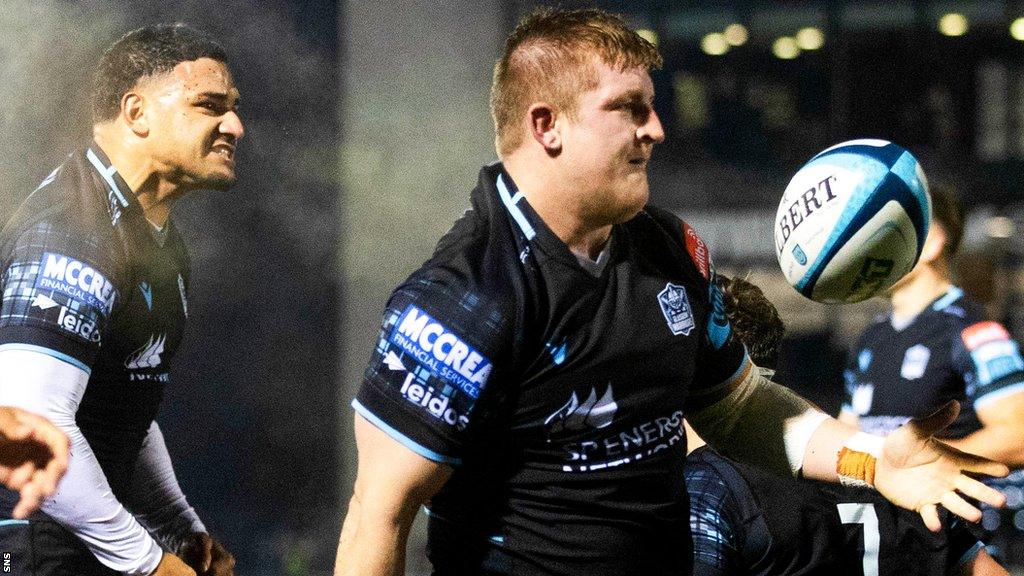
(936, 345)
(748, 521)
(95, 279)
(530, 378)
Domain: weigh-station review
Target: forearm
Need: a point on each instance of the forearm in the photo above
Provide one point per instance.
(156, 498)
(764, 424)
(371, 545)
(84, 502)
(85, 505)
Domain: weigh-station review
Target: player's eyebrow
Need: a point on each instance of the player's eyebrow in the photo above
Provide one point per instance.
(635, 96)
(220, 96)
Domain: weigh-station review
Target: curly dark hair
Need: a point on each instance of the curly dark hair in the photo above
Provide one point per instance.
(146, 52)
(754, 318)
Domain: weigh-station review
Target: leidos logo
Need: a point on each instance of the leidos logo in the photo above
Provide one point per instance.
(440, 350)
(78, 324)
(68, 319)
(77, 280)
(436, 404)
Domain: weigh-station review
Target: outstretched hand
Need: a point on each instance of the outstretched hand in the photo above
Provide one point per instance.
(918, 472)
(33, 457)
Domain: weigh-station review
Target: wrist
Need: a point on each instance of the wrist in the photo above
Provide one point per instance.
(858, 458)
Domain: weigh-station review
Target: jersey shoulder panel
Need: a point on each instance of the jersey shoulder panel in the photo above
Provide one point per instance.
(446, 334)
(62, 273)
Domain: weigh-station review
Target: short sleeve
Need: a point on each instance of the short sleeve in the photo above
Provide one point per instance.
(722, 356)
(714, 520)
(59, 291)
(431, 364)
(992, 365)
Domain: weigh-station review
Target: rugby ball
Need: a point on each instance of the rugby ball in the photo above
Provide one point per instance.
(852, 221)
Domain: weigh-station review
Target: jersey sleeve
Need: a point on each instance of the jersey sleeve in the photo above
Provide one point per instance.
(991, 362)
(59, 291)
(722, 356)
(715, 523)
(430, 366)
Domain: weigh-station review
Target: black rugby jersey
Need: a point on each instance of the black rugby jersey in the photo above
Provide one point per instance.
(85, 281)
(948, 352)
(748, 521)
(557, 395)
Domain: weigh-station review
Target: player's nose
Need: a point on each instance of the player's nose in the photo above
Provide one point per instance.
(232, 124)
(652, 129)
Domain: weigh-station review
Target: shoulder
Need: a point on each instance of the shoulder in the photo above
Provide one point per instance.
(60, 204)
(657, 227)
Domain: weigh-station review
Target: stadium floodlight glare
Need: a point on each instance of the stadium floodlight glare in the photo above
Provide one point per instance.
(714, 44)
(1017, 29)
(953, 24)
(1000, 227)
(736, 34)
(649, 35)
(810, 38)
(785, 48)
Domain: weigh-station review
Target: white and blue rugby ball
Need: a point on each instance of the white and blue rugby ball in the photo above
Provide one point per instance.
(852, 221)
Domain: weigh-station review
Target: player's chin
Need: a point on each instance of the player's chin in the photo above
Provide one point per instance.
(222, 181)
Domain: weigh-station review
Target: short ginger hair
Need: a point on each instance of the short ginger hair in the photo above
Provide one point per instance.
(550, 57)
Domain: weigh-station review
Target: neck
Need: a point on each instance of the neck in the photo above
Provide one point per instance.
(154, 192)
(919, 291)
(559, 206)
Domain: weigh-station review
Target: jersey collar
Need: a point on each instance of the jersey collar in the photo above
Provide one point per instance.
(530, 228)
(116, 186)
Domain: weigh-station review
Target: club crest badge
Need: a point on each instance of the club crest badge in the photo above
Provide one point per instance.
(676, 308)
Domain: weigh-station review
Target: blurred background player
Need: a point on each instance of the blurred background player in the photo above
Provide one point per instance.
(530, 378)
(748, 521)
(935, 345)
(95, 278)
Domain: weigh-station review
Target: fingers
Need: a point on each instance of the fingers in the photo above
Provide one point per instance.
(223, 561)
(974, 489)
(930, 514)
(30, 501)
(936, 421)
(977, 464)
(207, 553)
(954, 503)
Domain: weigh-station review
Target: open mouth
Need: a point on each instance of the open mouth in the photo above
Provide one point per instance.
(225, 151)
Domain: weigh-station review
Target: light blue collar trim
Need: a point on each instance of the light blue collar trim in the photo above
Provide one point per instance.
(107, 173)
(511, 203)
(951, 296)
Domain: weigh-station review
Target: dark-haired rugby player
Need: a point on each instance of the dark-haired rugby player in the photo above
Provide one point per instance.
(95, 281)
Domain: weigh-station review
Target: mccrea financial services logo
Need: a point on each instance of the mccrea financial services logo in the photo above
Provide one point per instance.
(438, 349)
(77, 280)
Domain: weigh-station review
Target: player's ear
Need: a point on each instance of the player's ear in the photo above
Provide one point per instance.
(544, 126)
(133, 112)
(934, 244)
